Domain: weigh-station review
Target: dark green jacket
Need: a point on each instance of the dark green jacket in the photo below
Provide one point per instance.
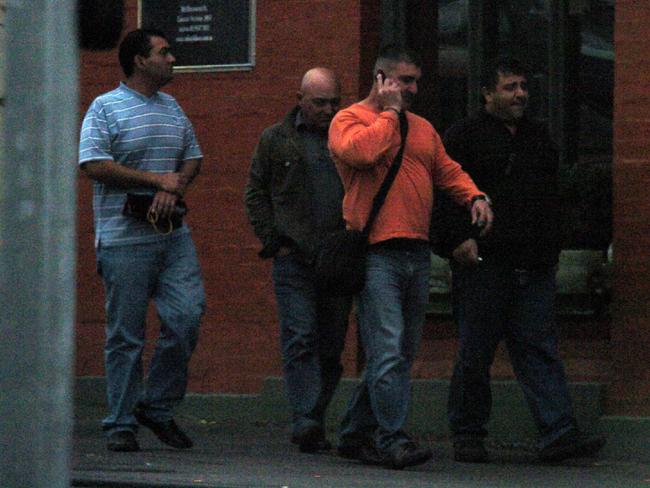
(277, 195)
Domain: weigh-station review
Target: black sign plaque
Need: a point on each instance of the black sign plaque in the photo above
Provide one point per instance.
(205, 35)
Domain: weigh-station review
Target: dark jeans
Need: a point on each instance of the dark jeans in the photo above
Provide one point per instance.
(313, 325)
(492, 303)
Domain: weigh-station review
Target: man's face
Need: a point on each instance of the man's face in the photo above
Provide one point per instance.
(509, 98)
(319, 101)
(159, 64)
(406, 75)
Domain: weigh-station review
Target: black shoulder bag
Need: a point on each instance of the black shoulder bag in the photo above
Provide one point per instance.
(138, 206)
(340, 263)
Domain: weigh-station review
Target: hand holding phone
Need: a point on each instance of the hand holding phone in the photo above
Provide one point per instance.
(388, 92)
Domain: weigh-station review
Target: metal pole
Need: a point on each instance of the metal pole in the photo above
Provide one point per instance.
(37, 243)
(557, 75)
(393, 22)
(482, 45)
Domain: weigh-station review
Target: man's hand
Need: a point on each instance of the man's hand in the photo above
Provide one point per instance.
(389, 94)
(164, 203)
(482, 216)
(173, 183)
(467, 253)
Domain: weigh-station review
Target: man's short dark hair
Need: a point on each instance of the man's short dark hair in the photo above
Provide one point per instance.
(392, 54)
(137, 42)
(504, 65)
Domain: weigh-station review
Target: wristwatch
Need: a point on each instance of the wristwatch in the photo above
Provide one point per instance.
(481, 197)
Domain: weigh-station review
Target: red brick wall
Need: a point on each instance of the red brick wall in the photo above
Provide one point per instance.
(630, 389)
(238, 346)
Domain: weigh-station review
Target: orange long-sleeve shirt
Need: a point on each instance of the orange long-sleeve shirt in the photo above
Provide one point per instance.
(364, 142)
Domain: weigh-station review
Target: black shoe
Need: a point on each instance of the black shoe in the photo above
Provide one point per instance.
(361, 448)
(348, 450)
(470, 451)
(122, 441)
(350, 445)
(168, 432)
(405, 454)
(370, 455)
(572, 444)
(311, 440)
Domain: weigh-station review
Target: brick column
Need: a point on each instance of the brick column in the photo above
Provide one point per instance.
(629, 391)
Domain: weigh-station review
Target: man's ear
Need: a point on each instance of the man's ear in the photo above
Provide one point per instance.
(487, 93)
(138, 60)
(299, 95)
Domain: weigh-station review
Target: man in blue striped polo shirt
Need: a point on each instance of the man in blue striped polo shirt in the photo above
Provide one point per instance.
(137, 141)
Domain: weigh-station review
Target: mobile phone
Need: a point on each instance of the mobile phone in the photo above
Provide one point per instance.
(382, 75)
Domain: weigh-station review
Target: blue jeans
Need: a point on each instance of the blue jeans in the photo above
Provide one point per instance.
(392, 307)
(166, 271)
(492, 303)
(313, 325)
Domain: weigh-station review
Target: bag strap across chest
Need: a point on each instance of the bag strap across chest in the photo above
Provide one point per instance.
(380, 197)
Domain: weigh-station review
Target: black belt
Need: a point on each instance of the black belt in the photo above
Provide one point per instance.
(401, 244)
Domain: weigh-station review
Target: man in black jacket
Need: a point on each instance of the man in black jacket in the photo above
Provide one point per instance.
(293, 196)
(504, 282)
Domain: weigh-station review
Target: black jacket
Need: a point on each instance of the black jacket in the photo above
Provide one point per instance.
(519, 173)
(277, 194)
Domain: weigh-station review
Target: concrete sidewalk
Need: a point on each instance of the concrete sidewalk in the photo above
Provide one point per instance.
(256, 455)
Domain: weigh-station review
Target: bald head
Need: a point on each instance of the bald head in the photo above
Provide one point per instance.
(318, 77)
(319, 97)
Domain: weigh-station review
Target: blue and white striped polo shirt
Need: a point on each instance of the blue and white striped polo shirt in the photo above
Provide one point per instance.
(149, 134)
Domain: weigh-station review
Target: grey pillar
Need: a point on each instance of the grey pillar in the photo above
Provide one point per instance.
(37, 243)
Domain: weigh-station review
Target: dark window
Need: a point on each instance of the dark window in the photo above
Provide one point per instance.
(570, 52)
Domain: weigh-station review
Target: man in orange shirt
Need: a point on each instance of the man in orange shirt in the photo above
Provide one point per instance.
(364, 140)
